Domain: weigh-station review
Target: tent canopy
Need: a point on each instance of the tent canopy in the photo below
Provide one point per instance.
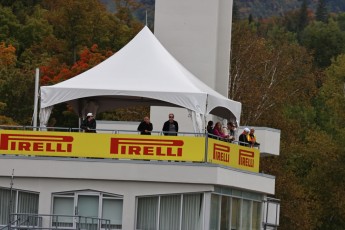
(142, 72)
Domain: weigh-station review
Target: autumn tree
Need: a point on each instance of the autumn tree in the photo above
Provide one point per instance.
(266, 75)
(15, 87)
(79, 24)
(273, 78)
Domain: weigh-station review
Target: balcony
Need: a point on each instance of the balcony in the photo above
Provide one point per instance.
(27, 221)
(126, 144)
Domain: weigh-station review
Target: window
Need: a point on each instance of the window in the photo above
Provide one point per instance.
(246, 214)
(234, 210)
(215, 212)
(235, 213)
(112, 210)
(5, 199)
(147, 213)
(256, 215)
(90, 207)
(63, 207)
(170, 207)
(192, 212)
(225, 213)
(173, 212)
(21, 202)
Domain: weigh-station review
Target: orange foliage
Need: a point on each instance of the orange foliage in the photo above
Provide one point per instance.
(7, 55)
(56, 72)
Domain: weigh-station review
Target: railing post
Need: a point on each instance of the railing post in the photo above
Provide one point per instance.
(206, 147)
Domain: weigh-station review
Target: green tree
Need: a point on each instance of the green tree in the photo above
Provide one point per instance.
(9, 26)
(321, 11)
(325, 40)
(80, 23)
(235, 12)
(16, 87)
(303, 16)
(34, 30)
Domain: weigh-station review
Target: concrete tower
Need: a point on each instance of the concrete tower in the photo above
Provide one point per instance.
(198, 34)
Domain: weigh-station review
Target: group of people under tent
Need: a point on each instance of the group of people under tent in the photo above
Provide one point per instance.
(170, 127)
(247, 137)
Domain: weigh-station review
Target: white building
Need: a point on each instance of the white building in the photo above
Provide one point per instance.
(65, 187)
(67, 180)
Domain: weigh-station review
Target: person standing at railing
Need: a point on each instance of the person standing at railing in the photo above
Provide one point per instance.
(243, 138)
(170, 127)
(145, 127)
(252, 138)
(218, 131)
(89, 124)
(231, 131)
(209, 127)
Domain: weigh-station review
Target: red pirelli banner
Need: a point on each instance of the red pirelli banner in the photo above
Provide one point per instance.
(121, 146)
(235, 156)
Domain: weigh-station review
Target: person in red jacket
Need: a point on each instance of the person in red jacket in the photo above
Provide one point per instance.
(217, 131)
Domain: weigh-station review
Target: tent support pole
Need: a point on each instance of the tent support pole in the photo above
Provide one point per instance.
(36, 99)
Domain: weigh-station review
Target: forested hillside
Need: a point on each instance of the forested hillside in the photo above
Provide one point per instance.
(288, 71)
(264, 8)
(256, 8)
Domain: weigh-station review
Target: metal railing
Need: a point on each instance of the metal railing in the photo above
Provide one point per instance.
(27, 221)
(271, 214)
(117, 131)
(206, 135)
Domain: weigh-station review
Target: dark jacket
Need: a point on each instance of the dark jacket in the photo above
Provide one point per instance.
(166, 128)
(243, 140)
(88, 126)
(145, 126)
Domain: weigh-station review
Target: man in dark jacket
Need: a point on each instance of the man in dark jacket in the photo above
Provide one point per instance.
(145, 127)
(170, 127)
(89, 124)
(243, 138)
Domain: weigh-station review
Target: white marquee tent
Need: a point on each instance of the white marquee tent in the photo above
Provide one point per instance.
(142, 72)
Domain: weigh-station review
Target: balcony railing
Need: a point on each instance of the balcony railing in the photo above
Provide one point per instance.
(128, 144)
(119, 131)
(27, 221)
(271, 213)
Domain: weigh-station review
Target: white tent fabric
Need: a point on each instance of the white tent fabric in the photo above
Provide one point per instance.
(142, 72)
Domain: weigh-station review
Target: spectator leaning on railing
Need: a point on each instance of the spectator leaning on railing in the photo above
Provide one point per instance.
(209, 127)
(252, 138)
(170, 127)
(243, 138)
(145, 127)
(89, 124)
(231, 131)
(217, 131)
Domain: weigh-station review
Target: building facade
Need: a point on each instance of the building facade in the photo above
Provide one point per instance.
(55, 180)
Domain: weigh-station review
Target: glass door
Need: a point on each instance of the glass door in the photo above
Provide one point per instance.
(88, 211)
(63, 210)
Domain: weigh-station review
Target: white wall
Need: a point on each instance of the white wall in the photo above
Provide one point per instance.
(123, 177)
(268, 138)
(198, 34)
(159, 115)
